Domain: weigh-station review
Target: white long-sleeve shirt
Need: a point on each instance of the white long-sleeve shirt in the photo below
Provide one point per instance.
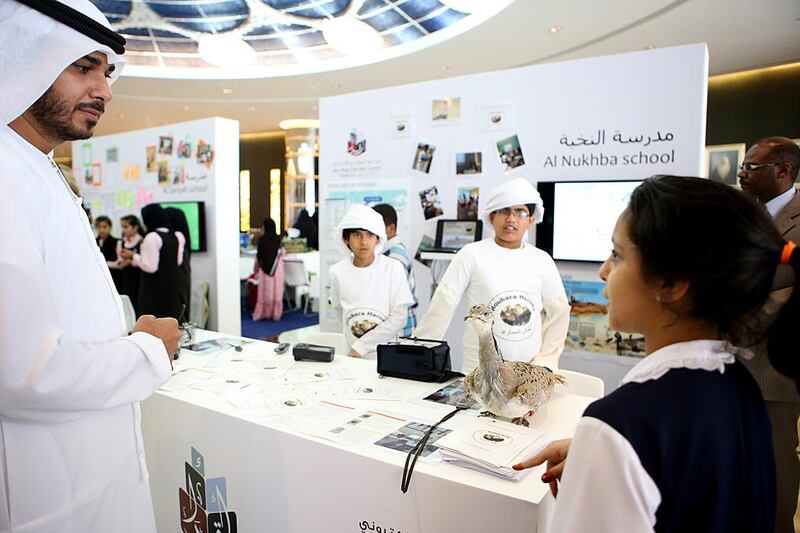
(70, 378)
(373, 302)
(524, 289)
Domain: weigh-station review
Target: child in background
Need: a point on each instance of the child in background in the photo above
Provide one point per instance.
(132, 236)
(684, 443)
(108, 247)
(370, 290)
(395, 249)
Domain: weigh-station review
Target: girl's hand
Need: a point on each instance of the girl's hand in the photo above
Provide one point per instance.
(556, 455)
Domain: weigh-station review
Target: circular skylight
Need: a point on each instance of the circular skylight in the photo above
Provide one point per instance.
(215, 39)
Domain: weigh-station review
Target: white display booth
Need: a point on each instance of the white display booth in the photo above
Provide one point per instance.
(195, 161)
(617, 117)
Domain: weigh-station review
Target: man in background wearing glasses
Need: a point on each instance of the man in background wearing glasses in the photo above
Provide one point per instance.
(768, 175)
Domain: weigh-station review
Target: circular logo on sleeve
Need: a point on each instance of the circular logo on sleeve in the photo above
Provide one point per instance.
(514, 313)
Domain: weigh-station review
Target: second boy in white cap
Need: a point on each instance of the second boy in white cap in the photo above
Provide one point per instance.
(517, 280)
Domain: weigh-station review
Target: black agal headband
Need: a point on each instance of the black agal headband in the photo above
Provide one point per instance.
(79, 22)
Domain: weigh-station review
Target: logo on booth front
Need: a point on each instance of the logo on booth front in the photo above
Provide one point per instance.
(356, 143)
(204, 502)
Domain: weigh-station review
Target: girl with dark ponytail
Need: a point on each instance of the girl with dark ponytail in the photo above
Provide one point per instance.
(684, 444)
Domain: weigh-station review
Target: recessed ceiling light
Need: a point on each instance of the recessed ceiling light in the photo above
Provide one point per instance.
(122, 115)
(447, 66)
(650, 47)
(314, 107)
(227, 91)
(555, 29)
(251, 108)
(186, 108)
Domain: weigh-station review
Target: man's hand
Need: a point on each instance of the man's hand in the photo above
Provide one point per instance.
(555, 454)
(165, 329)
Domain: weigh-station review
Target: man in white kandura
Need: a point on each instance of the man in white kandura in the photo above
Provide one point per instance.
(71, 449)
(517, 280)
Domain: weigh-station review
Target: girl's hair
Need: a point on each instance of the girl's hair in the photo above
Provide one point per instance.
(133, 220)
(721, 242)
(103, 218)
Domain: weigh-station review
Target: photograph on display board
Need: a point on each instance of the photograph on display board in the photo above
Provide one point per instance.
(446, 110)
(423, 157)
(722, 162)
(510, 153)
(588, 322)
(431, 203)
(178, 174)
(184, 149)
(151, 159)
(112, 155)
(467, 203)
(163, 172)
(400, 126)
(499, 116)
(93, 175)
(165, 145)
(469, 163)
(205, 154)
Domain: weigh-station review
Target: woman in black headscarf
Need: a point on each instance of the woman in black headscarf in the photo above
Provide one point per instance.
(159, 261)
(180, 227)
(307, 229)
(269, 274)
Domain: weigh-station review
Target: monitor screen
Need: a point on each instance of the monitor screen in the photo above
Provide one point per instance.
(455, 234)
(580, 217)
(196, 219)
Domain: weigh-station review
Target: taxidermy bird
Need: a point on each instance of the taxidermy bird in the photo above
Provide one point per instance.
(510, 389)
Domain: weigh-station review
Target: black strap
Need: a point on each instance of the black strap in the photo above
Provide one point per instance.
(420, 446)
(78, 22)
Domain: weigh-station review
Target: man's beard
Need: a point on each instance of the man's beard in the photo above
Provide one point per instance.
(54, 116)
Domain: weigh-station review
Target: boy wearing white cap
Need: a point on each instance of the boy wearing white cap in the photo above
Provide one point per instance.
(517, 280)
(370, 290)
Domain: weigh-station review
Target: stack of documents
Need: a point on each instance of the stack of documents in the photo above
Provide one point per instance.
(492, 446)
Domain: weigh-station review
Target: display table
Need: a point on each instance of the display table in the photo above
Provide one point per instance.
(278, 478)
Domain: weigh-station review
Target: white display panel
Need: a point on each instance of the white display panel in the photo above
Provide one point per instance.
(584, 215)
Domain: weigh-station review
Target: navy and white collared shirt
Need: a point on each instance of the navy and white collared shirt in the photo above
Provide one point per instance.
(683, 445)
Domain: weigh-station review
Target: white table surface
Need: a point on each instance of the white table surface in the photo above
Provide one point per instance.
(166, 440)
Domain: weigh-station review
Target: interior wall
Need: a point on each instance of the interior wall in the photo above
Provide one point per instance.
(259, 153)
(747, 106)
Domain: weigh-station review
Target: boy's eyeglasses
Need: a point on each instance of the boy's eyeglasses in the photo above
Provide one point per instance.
(519, 213)
(749, 167)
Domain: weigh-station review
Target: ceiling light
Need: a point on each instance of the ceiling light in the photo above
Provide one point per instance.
(299, 123)
(227, 91)
(555, 29)
(186, 108)
(226, 50)
(351, 36)
(446, 66)
(251, 108)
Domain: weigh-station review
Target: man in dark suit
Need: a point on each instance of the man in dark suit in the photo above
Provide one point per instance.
(768, 174)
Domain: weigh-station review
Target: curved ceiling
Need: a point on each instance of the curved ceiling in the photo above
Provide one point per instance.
(226, 39)
(740, 35)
